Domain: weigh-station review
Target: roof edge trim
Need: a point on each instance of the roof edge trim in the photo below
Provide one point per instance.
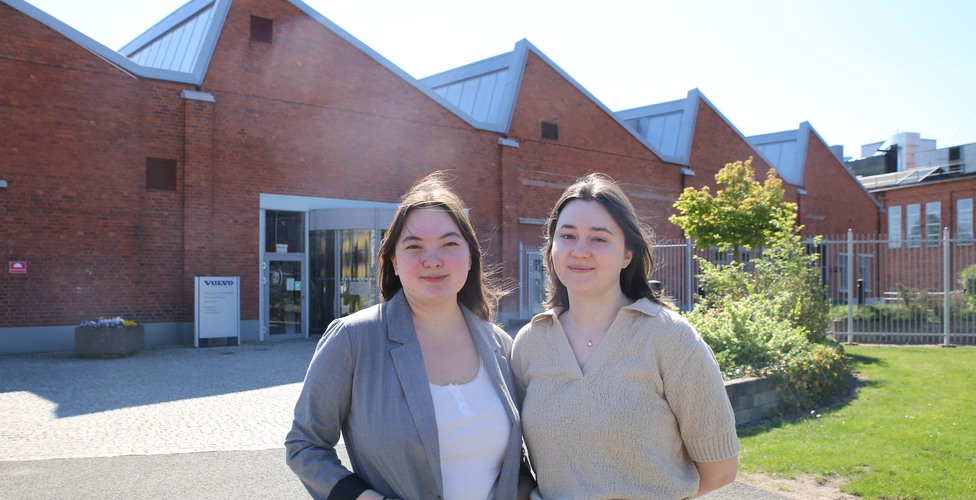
(653, 109)
(516, 71)
(488, 65)
(196, 95)
(689, 119)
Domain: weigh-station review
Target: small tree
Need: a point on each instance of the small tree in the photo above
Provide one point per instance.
(745, 214)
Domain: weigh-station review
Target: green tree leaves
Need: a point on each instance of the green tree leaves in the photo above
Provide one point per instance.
(743, 214)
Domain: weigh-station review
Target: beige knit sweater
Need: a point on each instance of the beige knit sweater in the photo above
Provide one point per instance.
(648, 401)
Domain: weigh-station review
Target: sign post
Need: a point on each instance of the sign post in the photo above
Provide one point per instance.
(217, 309)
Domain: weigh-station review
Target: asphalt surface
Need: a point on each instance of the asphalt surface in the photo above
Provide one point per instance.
(176, 422)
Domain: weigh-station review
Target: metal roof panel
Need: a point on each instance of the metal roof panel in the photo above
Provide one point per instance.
(783, 151)
(176, 42)
(480, 96)
(667, 126)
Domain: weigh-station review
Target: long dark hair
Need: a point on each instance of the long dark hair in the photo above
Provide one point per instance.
(479, 293)
(637, 238)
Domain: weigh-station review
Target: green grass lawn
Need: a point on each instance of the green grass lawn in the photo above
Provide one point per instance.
(909, 433)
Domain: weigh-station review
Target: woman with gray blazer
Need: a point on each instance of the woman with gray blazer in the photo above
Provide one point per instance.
(419, 387)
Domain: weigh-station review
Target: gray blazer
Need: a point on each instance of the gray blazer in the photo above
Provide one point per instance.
(367, 379)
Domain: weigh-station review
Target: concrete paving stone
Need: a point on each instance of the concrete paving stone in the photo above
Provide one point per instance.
(159, 401)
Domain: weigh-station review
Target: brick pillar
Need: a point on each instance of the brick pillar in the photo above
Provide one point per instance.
(198, 188)
(509, 307)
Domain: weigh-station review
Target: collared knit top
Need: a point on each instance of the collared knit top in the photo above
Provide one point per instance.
(648, 402)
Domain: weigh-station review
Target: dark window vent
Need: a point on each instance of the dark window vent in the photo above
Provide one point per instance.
(161, 174)
(260, 29)
(550, 130)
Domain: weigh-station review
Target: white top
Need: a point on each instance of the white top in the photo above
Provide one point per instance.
(472, 430)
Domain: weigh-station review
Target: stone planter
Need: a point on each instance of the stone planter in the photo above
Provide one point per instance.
(109, 342)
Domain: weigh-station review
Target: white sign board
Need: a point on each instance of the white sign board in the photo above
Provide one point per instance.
(217, 308)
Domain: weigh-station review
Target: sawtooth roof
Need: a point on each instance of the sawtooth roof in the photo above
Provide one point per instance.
(179, 48)
(486, 91)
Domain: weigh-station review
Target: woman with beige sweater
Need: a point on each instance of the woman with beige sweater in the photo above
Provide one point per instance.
(621, 397)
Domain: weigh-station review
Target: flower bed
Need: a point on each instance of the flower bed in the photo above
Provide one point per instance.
(109, 338)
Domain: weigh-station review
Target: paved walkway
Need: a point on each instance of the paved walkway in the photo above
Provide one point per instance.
(164, 423)
(160, 401)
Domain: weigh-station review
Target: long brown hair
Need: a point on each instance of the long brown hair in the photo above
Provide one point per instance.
(637, 238)
(479, 293)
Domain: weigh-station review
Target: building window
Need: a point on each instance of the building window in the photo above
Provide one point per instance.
(863, 271)
(933, 223)
(894, 227)
(284, 232)
(964, 221)
(913, 225)
(842, 269)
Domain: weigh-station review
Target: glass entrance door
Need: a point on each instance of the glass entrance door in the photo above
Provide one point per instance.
(285, 293)
(358, 269)
(343, 272)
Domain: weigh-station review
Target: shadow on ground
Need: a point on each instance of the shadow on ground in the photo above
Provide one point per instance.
(82, 386)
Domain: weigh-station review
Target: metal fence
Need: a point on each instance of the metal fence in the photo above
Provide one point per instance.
(915, 290)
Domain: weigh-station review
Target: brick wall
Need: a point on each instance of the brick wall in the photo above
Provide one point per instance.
(76, 134)
(589, 141)
(834, 201)
(715, 143)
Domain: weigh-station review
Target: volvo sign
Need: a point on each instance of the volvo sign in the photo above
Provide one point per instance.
(217, 309)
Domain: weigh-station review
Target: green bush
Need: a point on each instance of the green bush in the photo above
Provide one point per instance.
(748, 337)
(808, 376)
(790, 275)
(773, 321)
(751, 339)
(785, 274)
(913, 305)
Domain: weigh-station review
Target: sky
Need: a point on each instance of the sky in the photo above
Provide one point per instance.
(859, 71)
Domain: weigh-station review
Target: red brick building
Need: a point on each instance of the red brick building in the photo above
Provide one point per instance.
(923, 190)
(271, 145)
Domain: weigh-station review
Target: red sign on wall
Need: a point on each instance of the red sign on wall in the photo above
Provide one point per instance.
(17, 266)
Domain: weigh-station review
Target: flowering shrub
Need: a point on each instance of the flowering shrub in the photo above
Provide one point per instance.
(785, 275)
(810, 376)
(751, 338)
(103, 322)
